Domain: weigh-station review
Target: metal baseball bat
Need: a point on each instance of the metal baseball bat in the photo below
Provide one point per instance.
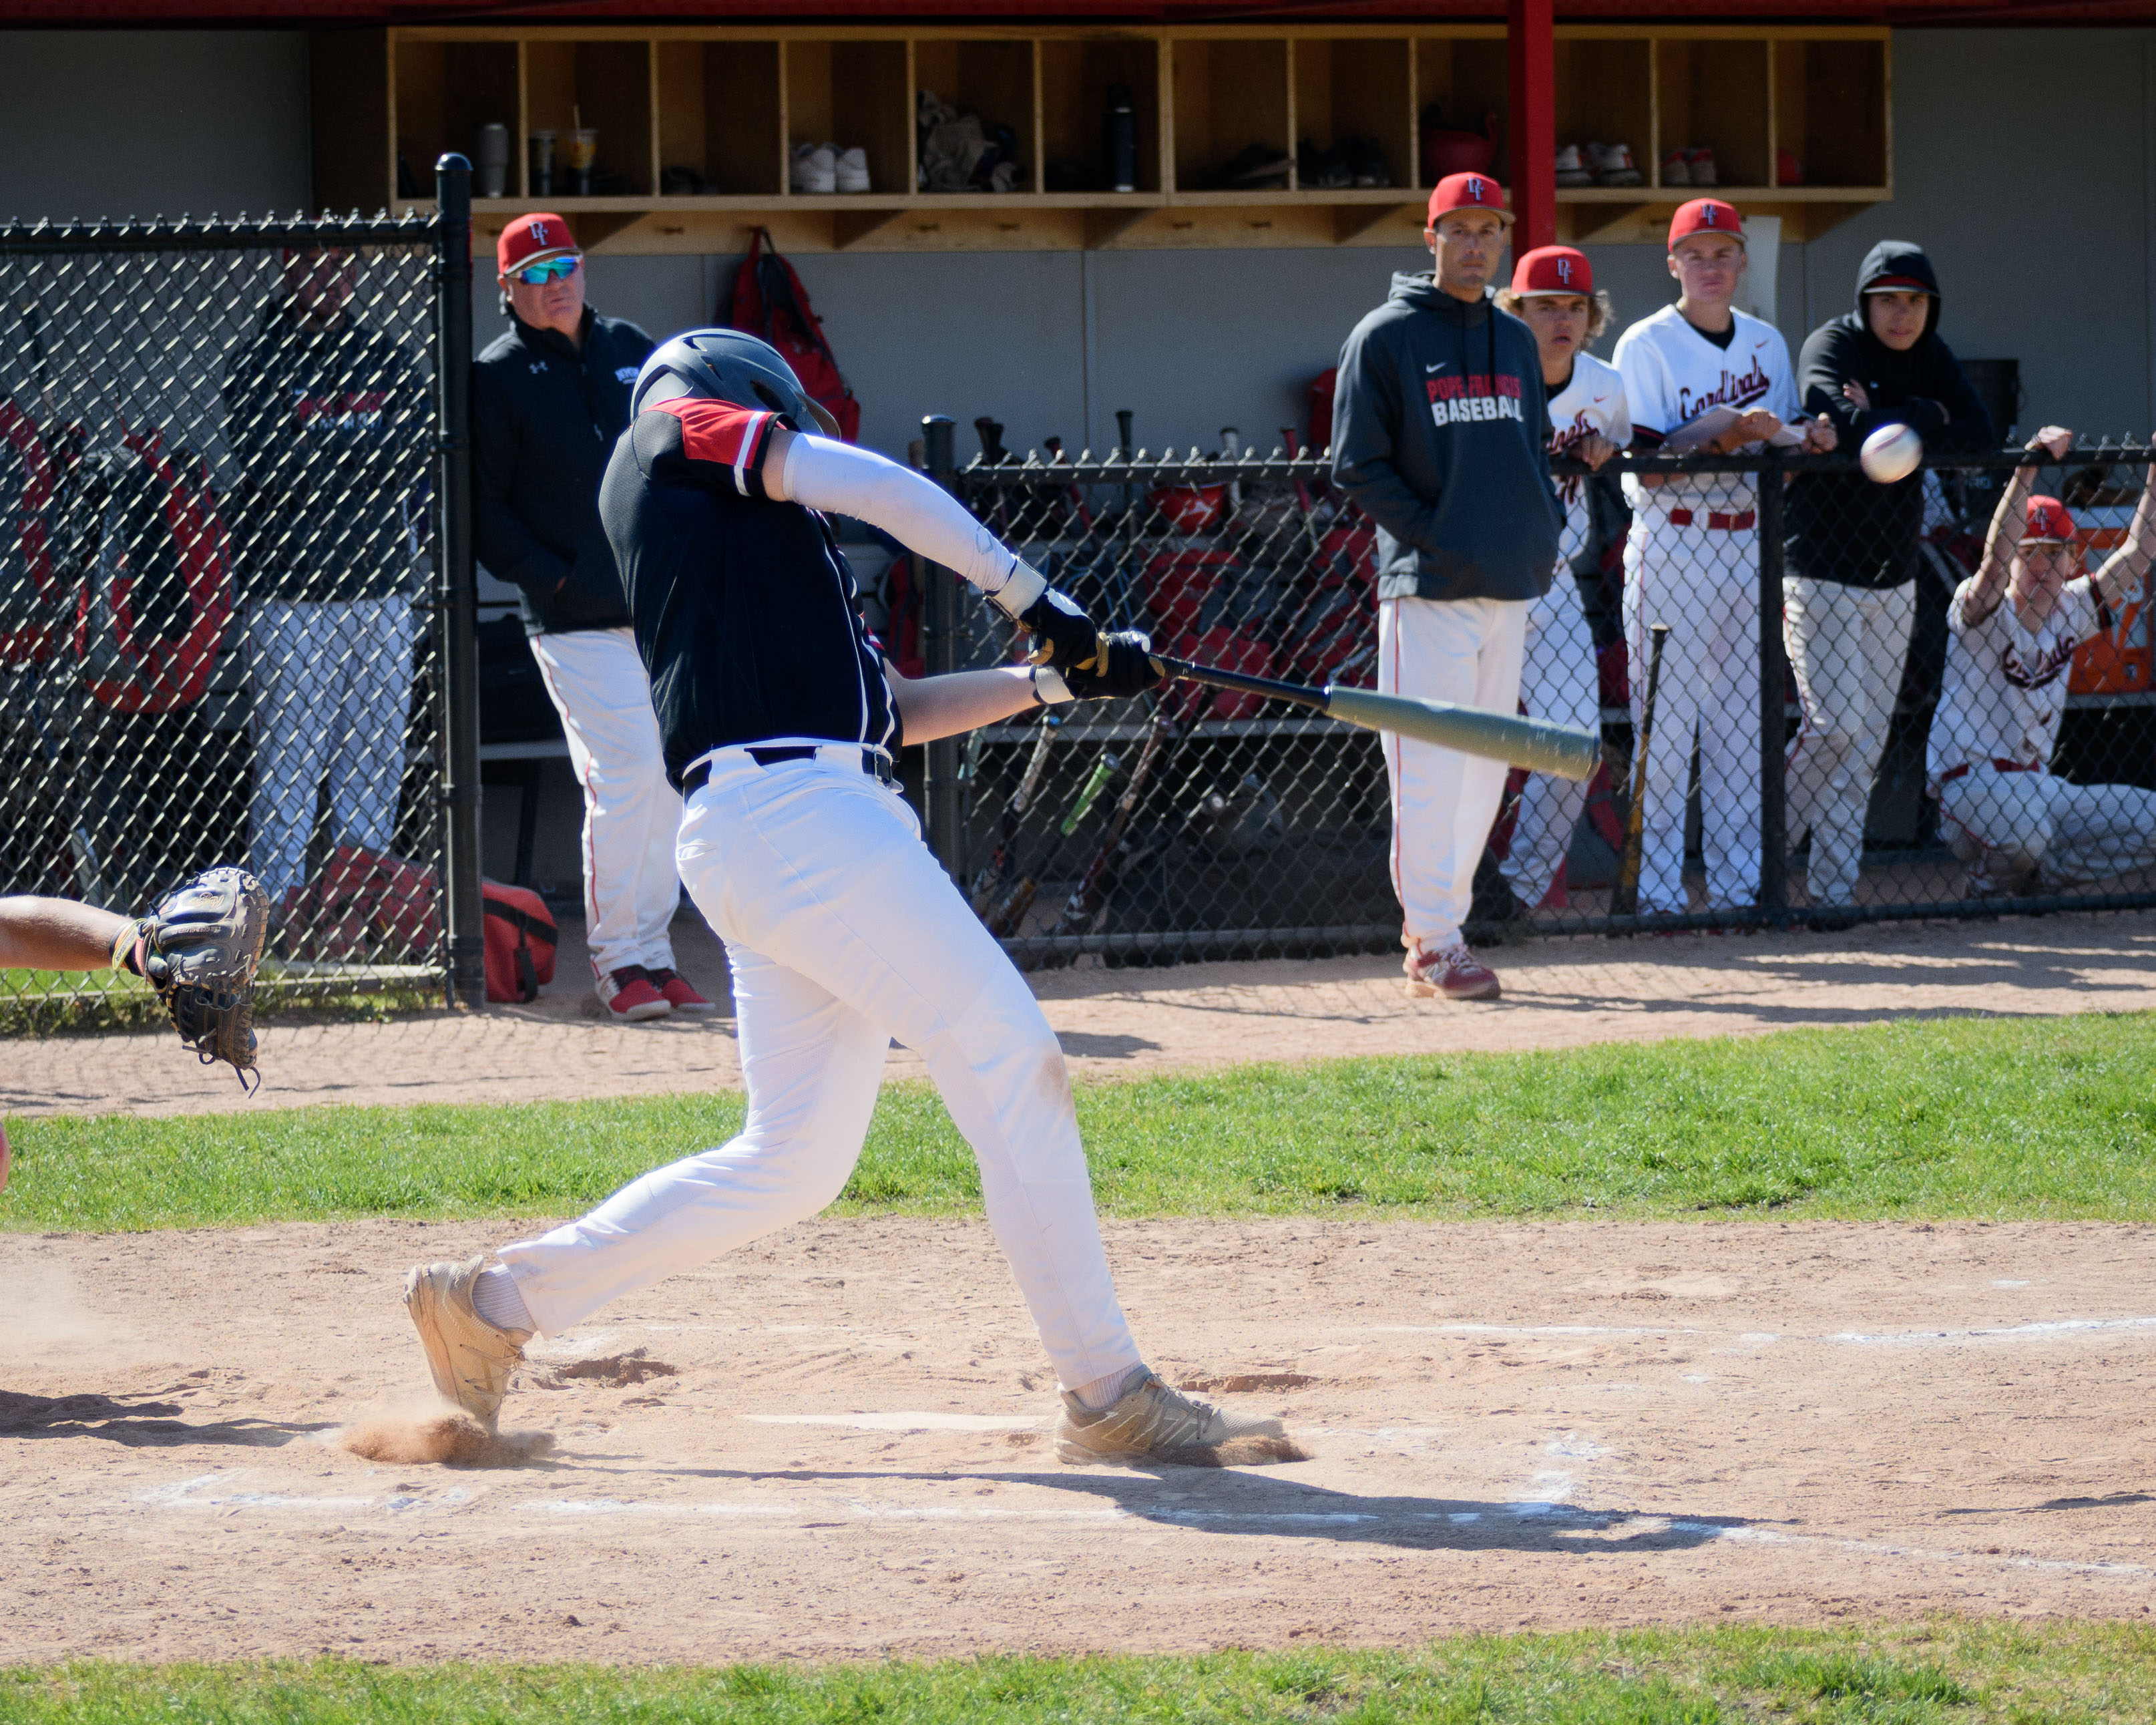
(1104, 873)
(1004, 917)
(1625, 895)
(1002, 863)
(1532, 743)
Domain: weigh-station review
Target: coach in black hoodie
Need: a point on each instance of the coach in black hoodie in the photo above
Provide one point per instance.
(1852, 547)
(549, 400)
(1439, 434)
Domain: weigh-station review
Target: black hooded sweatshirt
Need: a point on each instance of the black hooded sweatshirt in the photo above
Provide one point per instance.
(1841, 525)
(1440, 433)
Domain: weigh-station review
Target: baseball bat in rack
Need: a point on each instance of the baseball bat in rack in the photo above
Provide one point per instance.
(1532, 743)
(1625, 895)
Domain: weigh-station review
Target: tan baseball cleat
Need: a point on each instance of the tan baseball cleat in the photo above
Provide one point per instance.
(1153, 1423)
(471, 1359)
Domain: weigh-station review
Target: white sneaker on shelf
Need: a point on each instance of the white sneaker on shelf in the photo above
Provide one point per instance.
(852, 170)
(1701, 161)
(1570, 170)
(1675, 170)
(1616, 167)
(815, 169)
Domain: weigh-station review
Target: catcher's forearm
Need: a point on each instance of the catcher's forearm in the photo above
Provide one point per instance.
(56, 934)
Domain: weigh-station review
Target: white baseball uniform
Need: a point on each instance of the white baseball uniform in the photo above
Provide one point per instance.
(2000, 705)
(1692, 562)
(1559, 680)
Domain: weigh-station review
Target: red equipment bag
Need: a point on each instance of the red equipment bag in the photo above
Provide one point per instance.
(521, 937)
(366, 908)
(769, 300)
(1322, 388)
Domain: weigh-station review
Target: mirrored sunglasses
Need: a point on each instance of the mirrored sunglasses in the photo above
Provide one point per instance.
(554, 270)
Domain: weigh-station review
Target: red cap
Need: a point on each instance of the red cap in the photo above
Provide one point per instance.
(1705, 215)
(2048, 524)
(1552, 269)
(1468, 192)
(533, 239)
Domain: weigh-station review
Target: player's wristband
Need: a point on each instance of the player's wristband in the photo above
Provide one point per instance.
(127, 946)
(1048, 688)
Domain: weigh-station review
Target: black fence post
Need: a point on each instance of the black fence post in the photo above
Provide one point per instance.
(942, 788)
(456, 589)
(1773, 699)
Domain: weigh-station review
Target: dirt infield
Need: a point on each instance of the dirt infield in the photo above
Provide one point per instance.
(1559, 994)
(831, 1447)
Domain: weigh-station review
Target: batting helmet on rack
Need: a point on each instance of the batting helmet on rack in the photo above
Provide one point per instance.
(728, 365)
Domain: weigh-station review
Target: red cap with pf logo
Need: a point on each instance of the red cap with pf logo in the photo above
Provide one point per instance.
(532, 239)
(2048, 524)
(1705, 215)
(1468, 192)
(1552, 269)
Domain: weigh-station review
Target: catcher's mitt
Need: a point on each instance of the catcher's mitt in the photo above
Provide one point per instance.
(198, 949)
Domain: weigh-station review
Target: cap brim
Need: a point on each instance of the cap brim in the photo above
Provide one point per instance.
(1505, 216)
(1552, 293)
(527, 261)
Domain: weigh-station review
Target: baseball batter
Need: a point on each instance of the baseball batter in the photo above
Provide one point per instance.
(2012, 629)
(779, 716)
(1692, 558)
(1554, 290)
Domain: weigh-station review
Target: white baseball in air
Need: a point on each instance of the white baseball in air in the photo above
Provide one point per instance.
(1891, 452)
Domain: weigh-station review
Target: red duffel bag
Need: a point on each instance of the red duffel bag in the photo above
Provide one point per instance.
(520, 936)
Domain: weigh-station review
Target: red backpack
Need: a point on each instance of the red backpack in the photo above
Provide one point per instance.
(520, 936)
(769, 300)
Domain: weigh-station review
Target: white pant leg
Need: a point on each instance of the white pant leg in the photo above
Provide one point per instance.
(1846, 645)
(1999, 824)
(820, 871)
(291, 647)
(367, 763)
(1664, 583)
(1729, 718)
(812, 1065)
(1559, 681)
(2098, 830)
(1467, 652)
(632, 816)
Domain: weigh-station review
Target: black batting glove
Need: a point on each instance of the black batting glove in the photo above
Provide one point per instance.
(1130, 670)
(1063, 635)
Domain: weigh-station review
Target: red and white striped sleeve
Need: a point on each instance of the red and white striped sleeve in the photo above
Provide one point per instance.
(719, 434)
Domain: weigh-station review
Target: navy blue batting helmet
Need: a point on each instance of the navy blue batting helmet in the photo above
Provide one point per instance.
(728, 365)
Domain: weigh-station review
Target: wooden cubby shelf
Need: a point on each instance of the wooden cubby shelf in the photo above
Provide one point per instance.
(695, 127)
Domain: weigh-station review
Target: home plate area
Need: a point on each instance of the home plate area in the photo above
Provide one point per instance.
(837, 1445)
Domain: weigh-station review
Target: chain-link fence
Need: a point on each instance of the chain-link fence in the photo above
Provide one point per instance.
(221, 634)
(1804, 772)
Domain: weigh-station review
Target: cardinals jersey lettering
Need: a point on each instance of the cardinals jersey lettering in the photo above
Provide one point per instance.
(2005, 690)
(1673, 374)
(1593, 402)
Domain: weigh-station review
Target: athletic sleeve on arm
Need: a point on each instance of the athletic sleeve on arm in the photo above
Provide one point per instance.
(725, 443)
(845, 479)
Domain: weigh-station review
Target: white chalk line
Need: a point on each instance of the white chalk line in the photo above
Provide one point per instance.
(2034, 1332)
(197, 1494)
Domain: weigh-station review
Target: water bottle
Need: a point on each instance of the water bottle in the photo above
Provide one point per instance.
(1122, 140)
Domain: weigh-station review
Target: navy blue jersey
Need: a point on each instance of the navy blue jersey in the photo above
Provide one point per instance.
(745, 609)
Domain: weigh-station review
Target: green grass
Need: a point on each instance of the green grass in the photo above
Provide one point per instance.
(1952, 1671)
(1991, 1118)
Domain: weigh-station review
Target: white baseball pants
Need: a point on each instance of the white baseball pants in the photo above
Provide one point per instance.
(1561, 682)
(1847, 645)
(2004, 824)
(844, 931)
(332, 686)
(1703, 581)
(632, 816)
(1467, 652)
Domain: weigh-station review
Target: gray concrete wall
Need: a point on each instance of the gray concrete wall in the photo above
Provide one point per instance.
(145, 123)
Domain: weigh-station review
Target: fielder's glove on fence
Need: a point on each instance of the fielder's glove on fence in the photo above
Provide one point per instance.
(198, 949)
(1063, 635)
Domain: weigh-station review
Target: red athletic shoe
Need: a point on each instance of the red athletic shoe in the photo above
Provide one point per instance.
(679, 994)
(631, 996)
(1453, 971)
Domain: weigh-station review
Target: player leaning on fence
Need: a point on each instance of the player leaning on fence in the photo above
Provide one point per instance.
(549, 399)
(1440, 432)
(1849, 588)
(2012, 629)
(1701, 376)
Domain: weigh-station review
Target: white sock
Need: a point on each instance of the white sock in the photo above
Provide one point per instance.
(1103, 1393)
(496, 1298)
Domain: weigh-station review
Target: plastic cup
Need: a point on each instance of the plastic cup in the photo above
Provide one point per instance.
(580, 149)
(540, 145)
